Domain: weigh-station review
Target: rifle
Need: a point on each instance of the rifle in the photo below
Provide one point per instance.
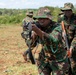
(28, 26)
(31, 57)
(65, 38)
(67, 45)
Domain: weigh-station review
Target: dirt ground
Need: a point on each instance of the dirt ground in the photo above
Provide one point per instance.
(11, 48)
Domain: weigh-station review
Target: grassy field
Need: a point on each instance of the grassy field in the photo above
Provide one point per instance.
(11, 48)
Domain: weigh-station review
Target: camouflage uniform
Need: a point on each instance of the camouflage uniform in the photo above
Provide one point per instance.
(70, 25)
(61, 14)
(52, 57)
(25, 33)
(29, 18)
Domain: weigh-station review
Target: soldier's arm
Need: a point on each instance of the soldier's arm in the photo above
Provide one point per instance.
(73, 44)
(54, 36)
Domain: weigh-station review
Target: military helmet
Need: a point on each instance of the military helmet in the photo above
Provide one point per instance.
(67, 6)
(30, 13)
(43, 13)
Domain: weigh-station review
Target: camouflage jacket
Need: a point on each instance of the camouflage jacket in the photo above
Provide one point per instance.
(70, 26)
(72, 20)
(26, 33)
(53, 46)
(27, 19)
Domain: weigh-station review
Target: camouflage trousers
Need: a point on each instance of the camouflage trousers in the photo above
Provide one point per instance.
(53, 68)
(73, 61)
(73, 66)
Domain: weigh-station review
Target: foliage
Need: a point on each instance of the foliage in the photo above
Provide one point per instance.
(55, 13)
(12, 16)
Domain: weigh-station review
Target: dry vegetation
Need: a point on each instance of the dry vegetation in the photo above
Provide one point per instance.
(11, 48)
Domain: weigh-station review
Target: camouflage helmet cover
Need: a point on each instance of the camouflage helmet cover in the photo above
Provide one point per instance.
(67, 6)
(29, 13)
(43, 13)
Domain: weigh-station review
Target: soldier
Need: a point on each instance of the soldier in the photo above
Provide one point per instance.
(52, 57)
(28, 18)
(69, 19)
(60, 15)
(25, 33)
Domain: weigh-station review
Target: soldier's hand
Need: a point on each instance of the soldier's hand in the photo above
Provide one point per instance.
(24, 29)
(69, 52)
(33, 36)
(34, 27)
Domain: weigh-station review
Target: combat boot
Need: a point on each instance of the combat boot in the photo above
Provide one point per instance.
(25, 57)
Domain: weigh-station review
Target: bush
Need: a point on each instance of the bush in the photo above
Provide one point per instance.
(6, 19)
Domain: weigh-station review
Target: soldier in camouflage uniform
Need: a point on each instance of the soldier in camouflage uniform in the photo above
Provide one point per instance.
(59, 16)
(52, 57)
(25, 33)
(28, 18)
(69, 19)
